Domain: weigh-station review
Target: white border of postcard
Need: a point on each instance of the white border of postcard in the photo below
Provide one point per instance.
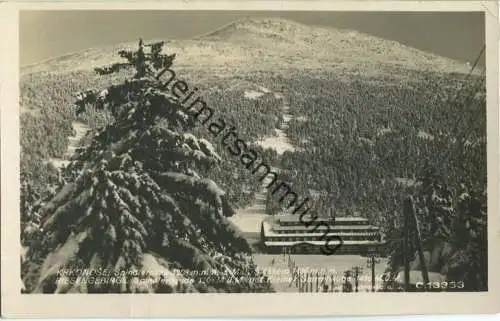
(14, 304)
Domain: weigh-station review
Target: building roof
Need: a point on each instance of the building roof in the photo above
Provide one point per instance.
(321, 227)
(296, 218)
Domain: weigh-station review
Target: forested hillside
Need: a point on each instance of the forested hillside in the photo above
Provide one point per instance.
(367, 152)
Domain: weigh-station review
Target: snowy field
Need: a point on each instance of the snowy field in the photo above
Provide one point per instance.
(335, 264)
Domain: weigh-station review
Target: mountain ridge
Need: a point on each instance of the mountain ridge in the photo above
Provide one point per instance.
(269, 43)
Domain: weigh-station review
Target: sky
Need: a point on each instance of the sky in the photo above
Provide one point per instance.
(49, 34)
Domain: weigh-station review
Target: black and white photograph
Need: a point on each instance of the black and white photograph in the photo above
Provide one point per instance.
(253, 152)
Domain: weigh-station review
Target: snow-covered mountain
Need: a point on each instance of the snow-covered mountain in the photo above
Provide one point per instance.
(272, 44)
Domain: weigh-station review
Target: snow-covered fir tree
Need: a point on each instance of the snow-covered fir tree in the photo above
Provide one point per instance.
(136, 215)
